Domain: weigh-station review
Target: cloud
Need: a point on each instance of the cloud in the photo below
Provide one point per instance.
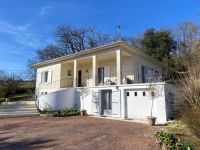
(21, 34)
(11, 28)
(44, 10)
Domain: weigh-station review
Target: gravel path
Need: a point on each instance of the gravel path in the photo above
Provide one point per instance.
(84, 133)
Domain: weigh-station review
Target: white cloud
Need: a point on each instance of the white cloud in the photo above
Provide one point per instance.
(44, 10)
(20, 33)
(11, 28)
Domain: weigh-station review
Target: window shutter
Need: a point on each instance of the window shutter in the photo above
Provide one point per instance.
(39, 78)
(50, 76)
(42, 77)
(107, 72)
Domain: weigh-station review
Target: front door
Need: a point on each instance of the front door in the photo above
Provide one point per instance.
(106, 102)
(79, 78)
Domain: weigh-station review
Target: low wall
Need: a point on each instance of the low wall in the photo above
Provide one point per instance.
(60, 99)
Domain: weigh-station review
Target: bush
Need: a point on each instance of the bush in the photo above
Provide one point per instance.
(191, 117)
(62, 113)
(3, 91)
(189, 94)
(2, 100)
(19, 98)
(68, 112)
(171, 141)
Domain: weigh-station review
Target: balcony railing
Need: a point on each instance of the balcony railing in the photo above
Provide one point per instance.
(127, 77)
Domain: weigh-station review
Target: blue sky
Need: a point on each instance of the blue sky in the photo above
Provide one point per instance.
(28, 25)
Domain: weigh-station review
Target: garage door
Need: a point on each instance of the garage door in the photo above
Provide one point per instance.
(138, 104)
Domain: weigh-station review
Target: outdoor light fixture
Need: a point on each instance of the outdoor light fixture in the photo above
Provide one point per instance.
(117, 87)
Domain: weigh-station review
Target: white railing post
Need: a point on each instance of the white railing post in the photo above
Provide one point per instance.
(94, 70)
(75, 73)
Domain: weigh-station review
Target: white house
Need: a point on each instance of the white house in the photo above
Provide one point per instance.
(110, 80)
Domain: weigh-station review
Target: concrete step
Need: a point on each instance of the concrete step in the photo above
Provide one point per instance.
(18, 115)
(19, 109)
(18, 102)
(18, 112)
(17, 106)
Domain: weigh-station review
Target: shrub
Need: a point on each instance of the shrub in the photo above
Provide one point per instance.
(2, 100)
(171, 141)
(19, 98)
(189, 94)
(62, 113)
(68, 112)
(3, 91)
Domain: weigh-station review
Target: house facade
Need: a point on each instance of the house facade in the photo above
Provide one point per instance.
(110, 80)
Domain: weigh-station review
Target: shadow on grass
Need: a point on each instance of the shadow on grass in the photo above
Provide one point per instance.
(5, 143)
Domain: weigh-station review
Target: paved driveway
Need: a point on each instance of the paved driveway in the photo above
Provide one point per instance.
(85, 133)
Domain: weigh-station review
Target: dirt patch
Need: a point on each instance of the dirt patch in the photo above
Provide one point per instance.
(84, 133)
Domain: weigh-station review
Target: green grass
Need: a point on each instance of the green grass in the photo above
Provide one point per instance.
(20, 97)
(23, 90)
(26, 84)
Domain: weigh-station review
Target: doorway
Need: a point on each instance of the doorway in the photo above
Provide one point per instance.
(79, 78)
(101, 76)
(106, 102)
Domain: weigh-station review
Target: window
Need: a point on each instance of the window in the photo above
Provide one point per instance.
(101, 75)
(127, 93)
(144, 74)
(69, 73)
(135, 93)
(45, 77)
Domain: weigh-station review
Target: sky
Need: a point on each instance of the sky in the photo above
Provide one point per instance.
(29, 25)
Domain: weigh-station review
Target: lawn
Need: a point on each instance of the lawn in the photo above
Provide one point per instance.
(76, 132)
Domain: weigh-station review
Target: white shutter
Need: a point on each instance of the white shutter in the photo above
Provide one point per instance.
(42, 77)
(39, 78)
(107, 73)
(49, 76)
(90, 78)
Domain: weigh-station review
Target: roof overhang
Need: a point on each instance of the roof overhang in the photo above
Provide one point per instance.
(109, 47)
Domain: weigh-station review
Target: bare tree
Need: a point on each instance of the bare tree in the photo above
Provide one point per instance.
(73, 39)
(3, 76)
(189, 94)
(8, 84)
(48, 53)
(185, 34)
(135, 41)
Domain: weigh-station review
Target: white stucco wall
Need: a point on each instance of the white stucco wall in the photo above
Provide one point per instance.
(91, 101)
(65, 98)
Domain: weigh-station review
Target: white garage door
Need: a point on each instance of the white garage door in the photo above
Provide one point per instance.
(138, 104)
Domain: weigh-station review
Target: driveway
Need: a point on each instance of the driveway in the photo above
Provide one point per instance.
(85, 133)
